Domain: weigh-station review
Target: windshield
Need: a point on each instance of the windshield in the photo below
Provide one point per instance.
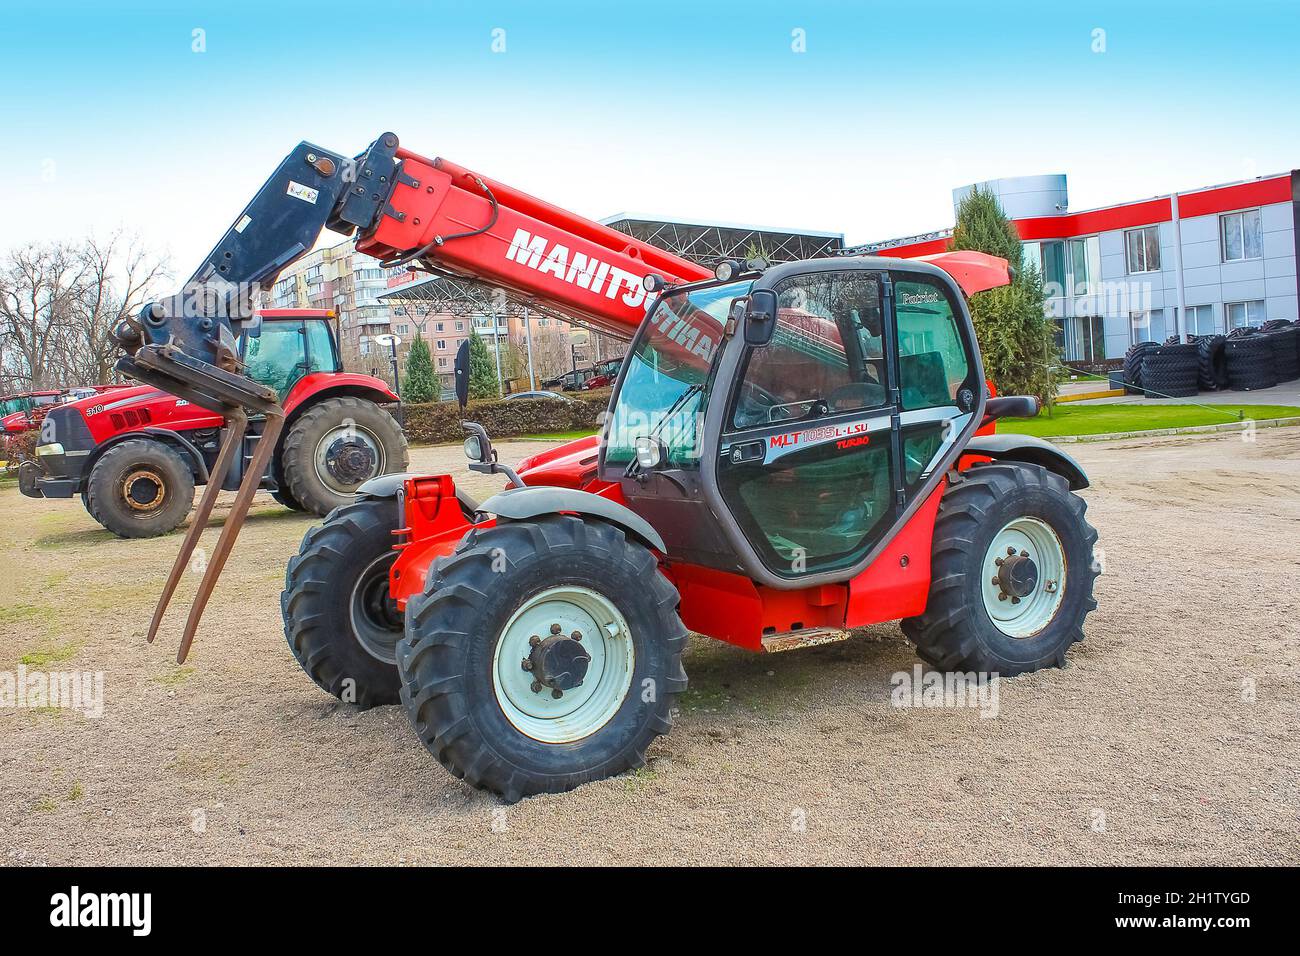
(667, 378)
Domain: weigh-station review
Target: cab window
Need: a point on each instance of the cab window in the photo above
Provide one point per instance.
(275, 357)
(320, 348)
(825, 356)
(932, 363)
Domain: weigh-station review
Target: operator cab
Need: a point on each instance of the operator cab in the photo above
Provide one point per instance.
(289, 345)
(780, 425)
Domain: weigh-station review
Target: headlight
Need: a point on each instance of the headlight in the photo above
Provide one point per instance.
(54, 448)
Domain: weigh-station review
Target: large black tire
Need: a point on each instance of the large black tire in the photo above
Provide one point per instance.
(1249, 361)
(283, 496)
(1212, 371)
(956, 632)
(448, 661)
(1170, 371)
(380, 449)
(140, 488)
(1133, 363)
(338, 619)
(1286, 360)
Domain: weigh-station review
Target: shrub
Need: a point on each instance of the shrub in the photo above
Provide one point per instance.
(421, 384)
(440, 421)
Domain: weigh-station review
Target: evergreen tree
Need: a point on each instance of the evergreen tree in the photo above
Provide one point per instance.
(482, 369)
(421, 384)
(1016, 337)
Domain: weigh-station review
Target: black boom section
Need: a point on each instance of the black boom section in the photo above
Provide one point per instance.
(186, 344)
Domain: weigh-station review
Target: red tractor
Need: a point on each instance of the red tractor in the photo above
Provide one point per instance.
(134, 455)
(791, 452)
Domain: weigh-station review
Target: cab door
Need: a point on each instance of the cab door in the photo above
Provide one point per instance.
(277, 356)
(809, 462)
(844, 421)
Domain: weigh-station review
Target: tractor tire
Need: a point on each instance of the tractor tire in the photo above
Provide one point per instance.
(338, 619)
(986, 513)
(1212, 371)
(1133, 363)
(336, 446)
(140, 488)
(490, 643)
(1170, 371)
(1286, 360)
(1249, 361)
(286, 498)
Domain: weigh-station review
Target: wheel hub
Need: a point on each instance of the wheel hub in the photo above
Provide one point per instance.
(143, 490)
(559, 661)
(350, 462)
(1018, 575)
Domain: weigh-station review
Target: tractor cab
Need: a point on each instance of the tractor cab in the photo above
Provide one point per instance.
(289, 345)
(783, 424)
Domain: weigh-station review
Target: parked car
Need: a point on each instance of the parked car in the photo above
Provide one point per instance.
(538, 393)
(569, 381)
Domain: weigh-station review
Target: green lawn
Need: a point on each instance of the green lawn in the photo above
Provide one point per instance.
(1073, 419)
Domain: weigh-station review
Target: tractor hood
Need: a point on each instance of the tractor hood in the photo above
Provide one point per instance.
(570, 465)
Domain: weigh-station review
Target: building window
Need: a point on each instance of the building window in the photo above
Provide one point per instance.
(442, 361)
(1143, 249)
(460, 326)
(442, 344)
(1242, 235)
(1070, 267)
(1147, 326)
(438, 327)
(1244, 313)
(1200, 320)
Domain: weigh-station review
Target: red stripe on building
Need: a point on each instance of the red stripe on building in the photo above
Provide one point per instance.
(1262, 192)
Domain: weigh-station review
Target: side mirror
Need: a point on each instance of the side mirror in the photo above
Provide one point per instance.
(760, 317)
(478, 447)
(462, 375)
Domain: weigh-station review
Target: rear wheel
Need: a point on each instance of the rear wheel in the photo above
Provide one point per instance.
(1012, 572)
(140, 488)
(336, 446)
(339, 619)
(543, 654)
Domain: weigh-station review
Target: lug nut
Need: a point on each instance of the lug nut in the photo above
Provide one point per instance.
(998, 561)
(994, 581)
(1002, 595)
(555, 629)
(526, 664)
(1010, 551)
(1014, 599)
(537, 686)
(576, 635)
(1024, 554)
(557, 693)
(534, 641)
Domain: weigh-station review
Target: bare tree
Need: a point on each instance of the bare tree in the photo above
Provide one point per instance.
(59, 304)
(38, 287)
(121, 276)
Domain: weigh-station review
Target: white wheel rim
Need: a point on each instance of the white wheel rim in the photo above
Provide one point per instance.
(355, 434)
(1026, 616)
(582, 710)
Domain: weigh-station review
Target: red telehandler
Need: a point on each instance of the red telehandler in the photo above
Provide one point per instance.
(791, 451)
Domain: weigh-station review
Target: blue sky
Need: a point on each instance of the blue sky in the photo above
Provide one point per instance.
(699, 110)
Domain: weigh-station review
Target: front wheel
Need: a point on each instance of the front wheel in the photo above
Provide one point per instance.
(1011, 575)
(341, 623)
(334, 448)
(140, 488)
(542, 654)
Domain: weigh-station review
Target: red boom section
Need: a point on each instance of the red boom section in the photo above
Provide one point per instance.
(533, 249)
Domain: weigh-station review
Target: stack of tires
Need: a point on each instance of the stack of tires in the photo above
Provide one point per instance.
(1212, 374)
(1133, 362)
(1249, 361)
(1171, 371)
(1282, 338)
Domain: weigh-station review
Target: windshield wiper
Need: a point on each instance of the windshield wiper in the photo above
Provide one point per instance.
(633, 467)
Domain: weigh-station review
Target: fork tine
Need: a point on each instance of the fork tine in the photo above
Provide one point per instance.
(238, 511)
(236, 424)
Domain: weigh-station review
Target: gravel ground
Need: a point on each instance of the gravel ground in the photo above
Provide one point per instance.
(1149, 747)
